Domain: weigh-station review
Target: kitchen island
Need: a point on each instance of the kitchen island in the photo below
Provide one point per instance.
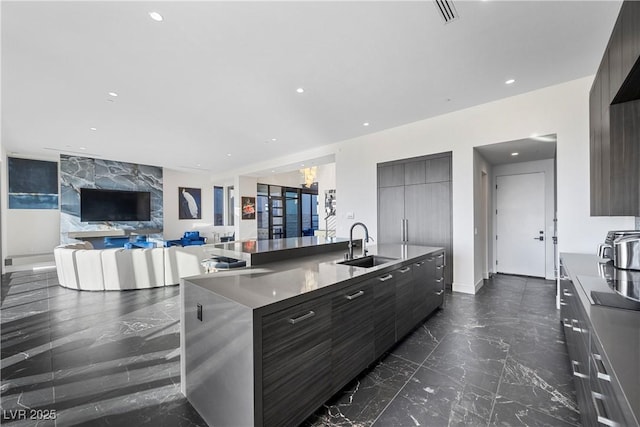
(268, 345)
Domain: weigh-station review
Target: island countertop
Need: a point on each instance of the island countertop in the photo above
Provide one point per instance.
(257, 252)
(266, 285)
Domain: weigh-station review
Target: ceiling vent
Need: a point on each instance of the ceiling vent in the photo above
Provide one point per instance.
(447, 10)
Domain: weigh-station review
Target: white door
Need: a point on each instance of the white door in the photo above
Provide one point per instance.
(520, 243)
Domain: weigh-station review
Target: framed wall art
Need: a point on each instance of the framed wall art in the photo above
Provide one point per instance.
(190, 203)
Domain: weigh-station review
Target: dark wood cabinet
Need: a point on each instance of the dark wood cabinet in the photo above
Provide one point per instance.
(310, 350)
(598, 393)
(576, 332)
(404, 302)
(384, 312)
(613, 117)
(415, 204)
(352, 346)
(296, 361)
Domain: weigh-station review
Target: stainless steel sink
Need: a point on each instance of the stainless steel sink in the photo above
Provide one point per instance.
(367, 261)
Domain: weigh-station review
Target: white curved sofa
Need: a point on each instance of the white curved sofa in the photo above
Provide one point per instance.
(81, 267)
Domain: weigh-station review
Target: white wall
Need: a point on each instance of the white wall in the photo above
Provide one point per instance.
(288, 179)
(173, 227)
(27, 231)
(245, 229)
(561, 110)
(546, 167)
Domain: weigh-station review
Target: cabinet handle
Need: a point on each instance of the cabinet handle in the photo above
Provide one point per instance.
(385, 278)
(566, 293)
(440, 280)
(440, 292)
(566, 323)
(576, 326)
(354, 296)
(441, 255)
(404, 270)
(295, 320)
(562, 302)
(601, 413)
(419, 264)
(440, 267)
(600, 369)
(574, 369)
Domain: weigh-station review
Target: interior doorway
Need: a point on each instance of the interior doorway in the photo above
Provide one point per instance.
(484, 221)
(520, 224)
(517, 157)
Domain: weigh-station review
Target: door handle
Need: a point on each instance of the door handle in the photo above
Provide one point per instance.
(406, 230)
(541, 238)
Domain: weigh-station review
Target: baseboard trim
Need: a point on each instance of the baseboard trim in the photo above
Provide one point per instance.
(465, 289)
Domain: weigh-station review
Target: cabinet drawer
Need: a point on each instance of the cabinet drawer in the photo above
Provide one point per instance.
(422, 289)
(352, 332)
(608, 409)
(296, 328)
(384, 324)
(404, 302)
(296, 362)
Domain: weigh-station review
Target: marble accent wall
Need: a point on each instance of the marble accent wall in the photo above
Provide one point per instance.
(83, 172)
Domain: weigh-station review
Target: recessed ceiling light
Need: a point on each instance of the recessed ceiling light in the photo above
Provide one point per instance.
(198, 165)
(273, 139)
(301, 164)
(300, 90)
(82, 148)
(365, 124)
(93, 128)
(228, 154)
(156, 16)
(273, 171)
(113, 94)
(514, 154)
(510, 82)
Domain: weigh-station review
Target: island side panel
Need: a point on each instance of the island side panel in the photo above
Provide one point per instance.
(218, 357)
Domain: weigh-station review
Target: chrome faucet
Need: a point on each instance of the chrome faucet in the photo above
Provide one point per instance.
(366, 239)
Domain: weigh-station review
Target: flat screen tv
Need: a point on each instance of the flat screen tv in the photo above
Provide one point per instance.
(114, 205)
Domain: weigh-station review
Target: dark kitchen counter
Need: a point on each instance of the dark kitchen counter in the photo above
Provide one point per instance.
(264, 285)
(617, 330)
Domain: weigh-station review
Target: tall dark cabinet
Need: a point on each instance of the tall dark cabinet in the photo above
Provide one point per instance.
(414, 204)
(614, 117)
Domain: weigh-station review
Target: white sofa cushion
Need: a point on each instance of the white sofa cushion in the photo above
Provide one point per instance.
(180, 262)
(66, 266)
(148, 267)
(117, 267)
(90, 271)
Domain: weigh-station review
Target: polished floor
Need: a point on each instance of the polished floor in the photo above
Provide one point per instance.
(112, 359)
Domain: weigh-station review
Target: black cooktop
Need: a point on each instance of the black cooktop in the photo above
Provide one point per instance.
(600, 292)
(614, 300)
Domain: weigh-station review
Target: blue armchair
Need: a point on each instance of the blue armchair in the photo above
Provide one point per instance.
(190, 238)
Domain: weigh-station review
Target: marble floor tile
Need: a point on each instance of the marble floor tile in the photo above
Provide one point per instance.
(469, 358)
(433, 399)
(110, 358)
(507, 412)
(538, 388)
(422, 341)
(362, 401)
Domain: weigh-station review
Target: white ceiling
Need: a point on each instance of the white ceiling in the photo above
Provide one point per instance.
(219, 78)
(527, 150)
